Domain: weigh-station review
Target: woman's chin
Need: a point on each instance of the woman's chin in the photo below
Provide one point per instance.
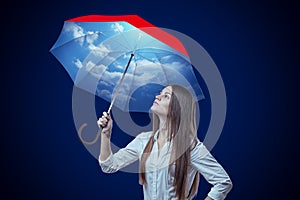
(153, 109)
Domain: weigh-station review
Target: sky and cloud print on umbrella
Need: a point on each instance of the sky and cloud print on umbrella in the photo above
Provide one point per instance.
(95, 51)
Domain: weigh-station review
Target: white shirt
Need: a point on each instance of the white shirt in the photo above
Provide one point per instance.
(159, 179)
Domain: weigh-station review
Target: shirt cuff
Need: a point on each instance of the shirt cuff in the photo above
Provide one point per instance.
(216, 195)
(107, 160)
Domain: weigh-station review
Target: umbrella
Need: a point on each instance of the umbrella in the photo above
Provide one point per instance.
(123, 59)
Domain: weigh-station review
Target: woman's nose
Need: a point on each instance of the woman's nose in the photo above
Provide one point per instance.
(158, 97)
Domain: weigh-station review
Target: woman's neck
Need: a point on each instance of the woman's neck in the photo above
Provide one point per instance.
(163, 134)
(163, 130)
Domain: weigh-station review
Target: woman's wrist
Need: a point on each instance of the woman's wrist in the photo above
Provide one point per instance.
(106, 133)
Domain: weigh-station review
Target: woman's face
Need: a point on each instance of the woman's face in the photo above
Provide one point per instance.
(161, 103)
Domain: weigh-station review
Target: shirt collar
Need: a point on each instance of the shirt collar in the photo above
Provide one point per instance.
(156, 136)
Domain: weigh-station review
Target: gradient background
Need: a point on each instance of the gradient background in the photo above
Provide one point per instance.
(253, 43)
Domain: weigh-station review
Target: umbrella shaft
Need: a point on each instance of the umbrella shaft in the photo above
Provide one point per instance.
(131, 56)
(119, 84)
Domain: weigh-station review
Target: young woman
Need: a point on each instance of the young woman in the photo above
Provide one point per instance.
(171, 156)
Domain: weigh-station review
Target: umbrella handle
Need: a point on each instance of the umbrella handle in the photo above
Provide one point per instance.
(80, 130)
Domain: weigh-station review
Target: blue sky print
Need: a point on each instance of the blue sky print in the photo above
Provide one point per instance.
(95, 55)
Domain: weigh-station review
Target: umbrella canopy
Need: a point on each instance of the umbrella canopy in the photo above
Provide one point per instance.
(123, 59)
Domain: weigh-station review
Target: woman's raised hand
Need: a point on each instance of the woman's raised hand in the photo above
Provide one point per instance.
(105, 122)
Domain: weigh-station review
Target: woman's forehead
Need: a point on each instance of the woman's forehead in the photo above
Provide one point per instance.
(167, 89)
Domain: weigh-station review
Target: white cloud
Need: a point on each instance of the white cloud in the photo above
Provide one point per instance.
(95, 70)
(91, 37)
(113, 77)
(104, 83)
(126, 56)
(165, 58)
(100, 50)
(104, 94)
(76, 30)
(80, 35)
(78, 63)
(89, 65)
(119, 66)
(117, 27)
(98, 70)
(145, 73)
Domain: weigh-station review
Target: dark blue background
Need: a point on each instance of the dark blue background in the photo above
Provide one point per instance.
(253, 43)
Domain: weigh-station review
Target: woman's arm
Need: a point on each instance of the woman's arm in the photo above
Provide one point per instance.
(105, 149)
(212, 171)
(110, 162)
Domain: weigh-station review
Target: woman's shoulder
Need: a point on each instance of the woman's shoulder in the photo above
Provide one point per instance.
(195, 143)
(199, 149)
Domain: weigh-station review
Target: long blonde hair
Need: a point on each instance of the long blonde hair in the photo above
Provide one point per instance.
(182, 132)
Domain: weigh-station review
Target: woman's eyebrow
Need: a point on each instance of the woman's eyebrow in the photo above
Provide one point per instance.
(165, 92)
(168, 93)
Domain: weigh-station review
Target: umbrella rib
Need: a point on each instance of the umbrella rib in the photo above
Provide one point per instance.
(155, 41)
(111, 38)
(145, 57)
(151, 41)
(119, 43)
(122, 35)
(108, 55)
(164, 50)
(83, 36)
(105, 40)
(156, 63)
(99, 62)
(161, 66)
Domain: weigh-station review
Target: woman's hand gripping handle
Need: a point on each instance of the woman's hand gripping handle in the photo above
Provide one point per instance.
(105, 122)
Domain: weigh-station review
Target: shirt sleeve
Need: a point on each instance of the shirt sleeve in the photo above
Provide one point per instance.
(212, 171)
(123, 157)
